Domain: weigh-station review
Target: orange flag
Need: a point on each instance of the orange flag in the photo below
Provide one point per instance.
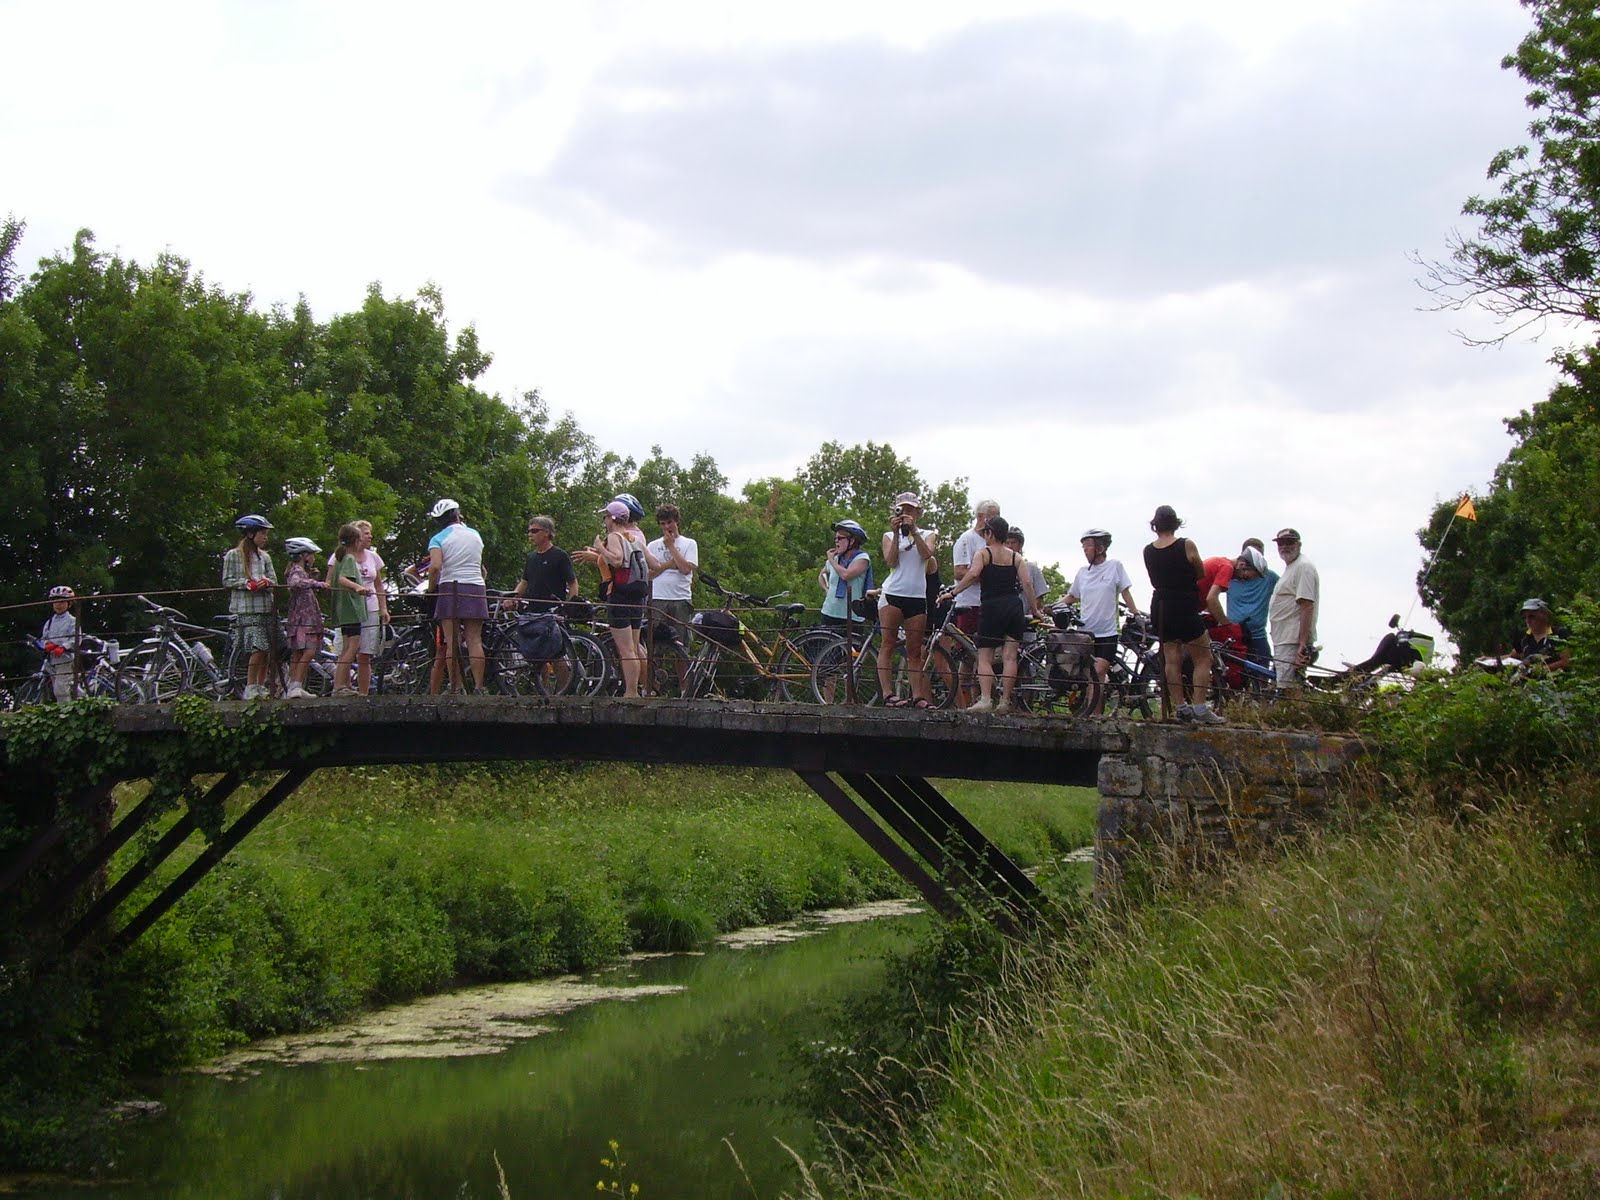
(1466, 510)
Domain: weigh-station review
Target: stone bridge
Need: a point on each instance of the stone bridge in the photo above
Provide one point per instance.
(1204, 790)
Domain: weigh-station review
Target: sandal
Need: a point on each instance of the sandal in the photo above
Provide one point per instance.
(919, 702)
(897, 702)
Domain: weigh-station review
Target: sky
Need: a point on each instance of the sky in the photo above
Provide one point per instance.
(1091, 260)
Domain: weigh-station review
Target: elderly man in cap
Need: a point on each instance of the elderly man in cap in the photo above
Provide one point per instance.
(1293, 610)
(1543, 641)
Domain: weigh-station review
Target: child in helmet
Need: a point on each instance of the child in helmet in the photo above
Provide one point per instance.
(59, 639)
(249, 576)
(305, 612)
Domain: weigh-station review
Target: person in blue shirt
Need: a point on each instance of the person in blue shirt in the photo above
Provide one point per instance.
(1248, 597)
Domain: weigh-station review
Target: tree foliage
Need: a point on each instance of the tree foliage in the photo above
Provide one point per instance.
(143, 409)
(1536, 533)
(1536, 253)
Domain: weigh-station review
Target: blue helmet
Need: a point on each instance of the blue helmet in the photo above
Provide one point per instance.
(252, 522)
(852, 528)
(635, 509)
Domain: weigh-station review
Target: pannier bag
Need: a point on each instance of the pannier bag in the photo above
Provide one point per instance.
(540, 637)
(1071, 653)
(720, 626)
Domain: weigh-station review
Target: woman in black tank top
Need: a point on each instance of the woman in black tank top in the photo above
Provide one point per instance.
(1003, 579)
(1175, 568)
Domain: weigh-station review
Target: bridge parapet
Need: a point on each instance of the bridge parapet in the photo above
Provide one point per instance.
(1206, 792)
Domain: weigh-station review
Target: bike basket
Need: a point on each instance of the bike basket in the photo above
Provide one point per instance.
(718, 625)
(1071, 652)
(540, 638)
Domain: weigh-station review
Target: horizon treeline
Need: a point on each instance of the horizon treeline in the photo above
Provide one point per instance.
(143, 409)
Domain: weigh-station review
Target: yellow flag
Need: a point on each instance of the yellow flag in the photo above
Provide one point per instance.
(1466, 510)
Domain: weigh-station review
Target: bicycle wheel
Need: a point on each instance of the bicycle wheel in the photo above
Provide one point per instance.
(701, 681)
(841, 675)
(952, 666)
(405, 666)
(791, 669)
(589, 665)
(1135, 694)
(1040, 692)
(165, 677)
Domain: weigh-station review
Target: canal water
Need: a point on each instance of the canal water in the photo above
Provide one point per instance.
(684, 1061)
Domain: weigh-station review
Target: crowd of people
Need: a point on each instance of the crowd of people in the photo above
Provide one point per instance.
(648, 585)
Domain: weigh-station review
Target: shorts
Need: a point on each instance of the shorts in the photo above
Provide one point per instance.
(1174, 617)
(350, 631)
(1106, 647)
(460, 602)
(909, 606)
(371, 635)
(1001, 621)
(671, 621)
(1286, 662)
(625, 605)
(967, 619)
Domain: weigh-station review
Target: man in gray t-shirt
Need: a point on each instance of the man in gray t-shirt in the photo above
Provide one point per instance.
(1293, 610)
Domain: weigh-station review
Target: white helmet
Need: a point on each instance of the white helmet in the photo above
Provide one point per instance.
(443, 506)
(296, 546)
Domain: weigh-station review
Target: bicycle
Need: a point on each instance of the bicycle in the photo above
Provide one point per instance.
(579, 669)
(781, 666)
(101, 675)
(167, 664)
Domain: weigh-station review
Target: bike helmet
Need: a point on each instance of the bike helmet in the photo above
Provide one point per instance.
(297, 546)
(1099, 535)
(852, 528)
(252, 522)
(1532, 605)
(442, 506)
(62, 592)
(635, 509)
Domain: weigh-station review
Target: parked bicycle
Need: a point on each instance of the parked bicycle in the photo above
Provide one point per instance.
(735, 661)
(176, 657)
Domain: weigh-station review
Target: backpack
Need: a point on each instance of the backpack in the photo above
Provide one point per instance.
(540, 638)
(720, 626)
(634, 568)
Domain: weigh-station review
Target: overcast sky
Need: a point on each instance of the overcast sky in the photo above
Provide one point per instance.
(1092, 260)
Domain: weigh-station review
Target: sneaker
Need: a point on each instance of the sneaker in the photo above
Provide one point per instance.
(343, 693)
(296, 692)
(981, 704)
(1184, 712)
(1205, 715)
(253, 691)
(1002, 708)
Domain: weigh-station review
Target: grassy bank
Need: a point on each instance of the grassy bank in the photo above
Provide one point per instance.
(378, 885)
(1405, 1005)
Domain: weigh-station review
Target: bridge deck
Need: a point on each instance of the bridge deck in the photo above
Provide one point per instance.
(935, 744)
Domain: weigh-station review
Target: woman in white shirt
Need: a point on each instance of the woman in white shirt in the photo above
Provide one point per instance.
(904, 602)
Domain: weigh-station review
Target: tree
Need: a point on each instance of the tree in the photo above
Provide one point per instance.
(1536, 254)
(1535, 534)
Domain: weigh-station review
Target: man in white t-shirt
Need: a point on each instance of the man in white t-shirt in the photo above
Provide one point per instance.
(674, 558)
(1292, 611)
(968, 601)
(1096, 588)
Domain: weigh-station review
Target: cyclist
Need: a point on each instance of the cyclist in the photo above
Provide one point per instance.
(621, 548)
(908, 552)
(1015, 540)
(1175, 568)
(305, 613)
(1543, 641)
(1248, 597)
(1007, 590)
(456, 576)
(1095, 589)
(846, 575)
(59, 639)
(248, 574)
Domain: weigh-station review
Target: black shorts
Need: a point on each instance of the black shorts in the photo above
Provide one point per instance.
(909, 606)
(351, 631)
(1106, 647)
(1000, 621)
(1174, 617)
(625, 605)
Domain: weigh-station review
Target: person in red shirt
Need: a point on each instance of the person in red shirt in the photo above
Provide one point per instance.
(1213, 585)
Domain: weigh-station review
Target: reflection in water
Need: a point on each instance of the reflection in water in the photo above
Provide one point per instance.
(532, 1074)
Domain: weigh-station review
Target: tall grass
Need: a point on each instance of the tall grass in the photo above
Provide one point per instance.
(1406, 1010)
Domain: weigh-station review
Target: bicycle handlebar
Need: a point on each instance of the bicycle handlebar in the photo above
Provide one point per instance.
(744, 598)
